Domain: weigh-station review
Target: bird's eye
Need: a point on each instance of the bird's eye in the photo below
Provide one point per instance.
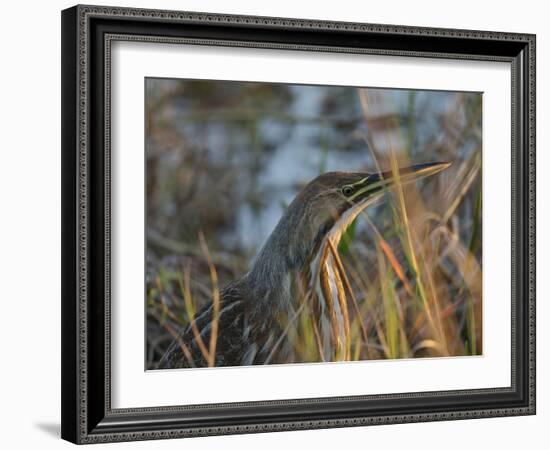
(347, 190)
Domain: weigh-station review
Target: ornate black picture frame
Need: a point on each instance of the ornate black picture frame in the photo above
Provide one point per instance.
(87, 34)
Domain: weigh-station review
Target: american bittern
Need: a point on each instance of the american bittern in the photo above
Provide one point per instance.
(298, 261)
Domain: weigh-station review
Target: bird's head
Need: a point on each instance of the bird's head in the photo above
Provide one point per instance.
(334, 199)
(323, 208)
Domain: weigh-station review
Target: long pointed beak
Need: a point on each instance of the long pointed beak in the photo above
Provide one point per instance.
(375, 183)
(409, 174)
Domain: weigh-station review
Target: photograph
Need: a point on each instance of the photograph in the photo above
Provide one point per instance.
(283, 220)
(293, 223)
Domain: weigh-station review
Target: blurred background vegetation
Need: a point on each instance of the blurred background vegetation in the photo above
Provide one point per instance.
(224, 159)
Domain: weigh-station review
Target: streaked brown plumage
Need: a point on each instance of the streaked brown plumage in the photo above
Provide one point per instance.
(299, 262)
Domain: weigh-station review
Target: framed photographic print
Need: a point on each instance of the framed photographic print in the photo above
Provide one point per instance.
(281, 224)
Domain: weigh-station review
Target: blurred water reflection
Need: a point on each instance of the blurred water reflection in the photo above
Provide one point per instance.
(256, 144)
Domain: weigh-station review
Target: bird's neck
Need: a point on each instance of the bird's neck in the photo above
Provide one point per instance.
(285, 254)
(289, 251)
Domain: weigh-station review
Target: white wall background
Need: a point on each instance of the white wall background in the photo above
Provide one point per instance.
(30, 223)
